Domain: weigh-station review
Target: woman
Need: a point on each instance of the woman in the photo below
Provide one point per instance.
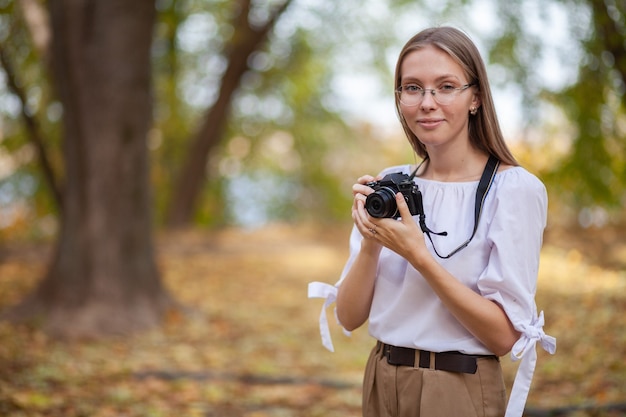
(444, 306)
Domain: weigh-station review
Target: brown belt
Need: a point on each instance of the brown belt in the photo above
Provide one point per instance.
(444, 361)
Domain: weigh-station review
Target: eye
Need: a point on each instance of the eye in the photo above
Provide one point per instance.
(447, 88)
(412, 88)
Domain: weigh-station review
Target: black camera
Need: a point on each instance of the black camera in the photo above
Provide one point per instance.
(382, 202)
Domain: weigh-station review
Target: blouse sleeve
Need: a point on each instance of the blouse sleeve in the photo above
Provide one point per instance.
(515, 235)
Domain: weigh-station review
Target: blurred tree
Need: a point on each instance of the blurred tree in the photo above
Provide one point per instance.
(248, 37)
(590, 91)
(287, 81)
(590, 172)
(250, 105)
(286, 94)
(594, 173)
(103, 274)
(36, 19)
(32, 189)
(103, 278)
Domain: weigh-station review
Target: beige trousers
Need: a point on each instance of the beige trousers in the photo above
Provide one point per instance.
(404, 391)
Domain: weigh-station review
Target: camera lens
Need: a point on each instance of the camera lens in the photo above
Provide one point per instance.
(382, 203)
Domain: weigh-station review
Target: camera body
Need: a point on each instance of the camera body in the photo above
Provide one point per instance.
(382, 202)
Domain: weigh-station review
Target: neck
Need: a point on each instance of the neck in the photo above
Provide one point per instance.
(454, 167)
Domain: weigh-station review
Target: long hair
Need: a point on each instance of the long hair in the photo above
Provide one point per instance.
(484, 129)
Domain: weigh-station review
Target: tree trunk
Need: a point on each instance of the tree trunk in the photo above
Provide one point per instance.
(103, 278)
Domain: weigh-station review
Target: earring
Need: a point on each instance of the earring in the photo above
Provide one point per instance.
(473, 111)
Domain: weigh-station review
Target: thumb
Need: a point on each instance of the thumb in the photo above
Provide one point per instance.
(403, 208)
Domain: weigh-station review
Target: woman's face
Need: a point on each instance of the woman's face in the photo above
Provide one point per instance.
(434, 124)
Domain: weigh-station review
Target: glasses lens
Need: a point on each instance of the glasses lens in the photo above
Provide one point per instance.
(444, 96)
(410, 96)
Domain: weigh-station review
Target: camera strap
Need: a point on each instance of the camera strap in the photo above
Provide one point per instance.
(484, 185)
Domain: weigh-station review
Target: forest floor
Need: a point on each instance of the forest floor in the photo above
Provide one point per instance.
(251, 346)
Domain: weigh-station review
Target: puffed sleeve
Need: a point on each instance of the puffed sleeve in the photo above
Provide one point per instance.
(515, 235)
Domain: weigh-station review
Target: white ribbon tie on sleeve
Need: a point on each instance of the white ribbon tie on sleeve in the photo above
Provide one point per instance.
(329, 293)
(524, 349)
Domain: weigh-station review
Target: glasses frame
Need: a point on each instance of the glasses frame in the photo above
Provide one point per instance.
(433, 91)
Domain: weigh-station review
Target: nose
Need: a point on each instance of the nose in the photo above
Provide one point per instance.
(428, 100)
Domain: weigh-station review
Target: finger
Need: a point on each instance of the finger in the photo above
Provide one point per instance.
(403, 208)
(363, 222)
(365, 179)
(358, 217)
(355, 201)
(361, 189)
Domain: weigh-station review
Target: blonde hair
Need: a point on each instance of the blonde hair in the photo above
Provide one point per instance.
(484, 129)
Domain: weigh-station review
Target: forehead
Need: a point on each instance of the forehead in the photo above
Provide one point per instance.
(430, 63)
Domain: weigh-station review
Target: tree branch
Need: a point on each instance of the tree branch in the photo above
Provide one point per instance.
(38, 24)
(610, 34)
(246, 41)
(32, 128)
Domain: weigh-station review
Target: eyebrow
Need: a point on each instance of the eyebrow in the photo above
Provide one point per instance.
(438, 79)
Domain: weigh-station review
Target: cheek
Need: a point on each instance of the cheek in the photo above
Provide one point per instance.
(408, 113)
(409, 117)
(459, 112)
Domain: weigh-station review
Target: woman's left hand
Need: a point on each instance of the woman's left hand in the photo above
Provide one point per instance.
(402, 236)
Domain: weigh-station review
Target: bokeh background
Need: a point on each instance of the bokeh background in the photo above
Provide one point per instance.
(174, 172)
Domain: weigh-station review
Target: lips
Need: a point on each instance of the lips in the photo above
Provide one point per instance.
(429, 123)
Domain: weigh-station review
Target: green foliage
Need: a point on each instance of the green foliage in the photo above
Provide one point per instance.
(592, 170)
(290, 89)
(290, 121)
(284, 125)
(589, 175)
(595, 169)
(25, 200)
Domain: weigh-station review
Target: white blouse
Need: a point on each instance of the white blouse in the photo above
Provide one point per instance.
(500, 263)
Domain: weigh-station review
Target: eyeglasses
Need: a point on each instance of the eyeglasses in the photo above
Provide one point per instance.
(413, 94)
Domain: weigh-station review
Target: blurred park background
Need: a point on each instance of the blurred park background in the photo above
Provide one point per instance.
(174, 172)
